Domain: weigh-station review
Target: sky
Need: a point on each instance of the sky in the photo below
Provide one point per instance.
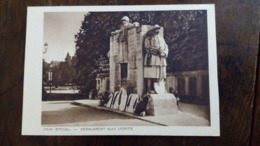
(59, 31)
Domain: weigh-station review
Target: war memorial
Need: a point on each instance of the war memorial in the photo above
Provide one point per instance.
(137, 60)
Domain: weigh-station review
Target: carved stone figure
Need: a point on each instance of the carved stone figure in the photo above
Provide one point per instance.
(123, 29)
(155, 60)
(123, 38)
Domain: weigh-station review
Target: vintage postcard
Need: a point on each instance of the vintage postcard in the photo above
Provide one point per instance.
(121, 70)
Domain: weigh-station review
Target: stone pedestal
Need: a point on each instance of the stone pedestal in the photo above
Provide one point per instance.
(161, 104)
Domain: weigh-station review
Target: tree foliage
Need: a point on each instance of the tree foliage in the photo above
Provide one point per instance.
(185, 32)
(46, 67)
(63, 72)
(102, 65)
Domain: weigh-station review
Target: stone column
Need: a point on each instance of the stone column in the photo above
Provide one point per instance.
(169, 82)
(111, 66)
(175, 83)
(131, 74)
(199, 85)
(187, 90)
(139, 60)
(114, 63)
(102, 85)
(97, 84)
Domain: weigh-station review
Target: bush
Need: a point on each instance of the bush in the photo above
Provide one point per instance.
(104, 98)
(141, 105)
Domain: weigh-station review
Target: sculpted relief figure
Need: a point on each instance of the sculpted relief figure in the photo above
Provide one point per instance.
(125, 25)
(123, 51)
(155, 60)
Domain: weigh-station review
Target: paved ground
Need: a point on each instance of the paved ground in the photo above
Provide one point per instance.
(181, 118)
(63, 113)
(198, 110)
(62, 89)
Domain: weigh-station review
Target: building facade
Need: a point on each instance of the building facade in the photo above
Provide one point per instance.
(189, 83)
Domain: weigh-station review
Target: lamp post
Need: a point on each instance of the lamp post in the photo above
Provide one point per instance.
(45, 48)
(50, 70)
(50, 77)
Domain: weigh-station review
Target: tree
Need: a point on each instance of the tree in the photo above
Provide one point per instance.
(185, 32)
(68, 58)
(56, 73)
(102, 65)
(45, 68)
(63, 72)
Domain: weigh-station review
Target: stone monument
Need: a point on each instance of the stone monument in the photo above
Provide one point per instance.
(137, 60)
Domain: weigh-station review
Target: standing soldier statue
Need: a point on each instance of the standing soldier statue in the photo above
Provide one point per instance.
(155, 61)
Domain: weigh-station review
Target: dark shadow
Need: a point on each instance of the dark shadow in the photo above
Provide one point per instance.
(62, 96)
(78, 114)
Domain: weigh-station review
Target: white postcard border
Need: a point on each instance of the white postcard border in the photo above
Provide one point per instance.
(32, 96)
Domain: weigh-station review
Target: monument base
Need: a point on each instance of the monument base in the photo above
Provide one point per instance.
(161, 104)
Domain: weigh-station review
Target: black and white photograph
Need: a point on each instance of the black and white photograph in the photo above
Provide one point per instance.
(121, 70)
